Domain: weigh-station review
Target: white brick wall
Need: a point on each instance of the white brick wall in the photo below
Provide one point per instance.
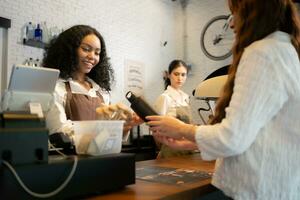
(132, 29)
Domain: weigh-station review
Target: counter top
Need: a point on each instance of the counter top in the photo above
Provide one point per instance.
(147, 190)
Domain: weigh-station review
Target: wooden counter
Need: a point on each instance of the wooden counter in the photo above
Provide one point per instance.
(146, 190)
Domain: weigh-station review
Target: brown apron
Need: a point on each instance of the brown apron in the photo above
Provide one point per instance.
(81, 107)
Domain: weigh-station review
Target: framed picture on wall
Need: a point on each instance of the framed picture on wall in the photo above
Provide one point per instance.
(134, 77)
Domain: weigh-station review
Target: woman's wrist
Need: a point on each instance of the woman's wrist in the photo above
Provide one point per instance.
(189, 131)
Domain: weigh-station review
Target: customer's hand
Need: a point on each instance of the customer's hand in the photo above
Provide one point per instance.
(171, 127)
(180, 144)
(166, 126)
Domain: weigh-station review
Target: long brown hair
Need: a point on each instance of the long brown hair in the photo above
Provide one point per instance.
(254, 20)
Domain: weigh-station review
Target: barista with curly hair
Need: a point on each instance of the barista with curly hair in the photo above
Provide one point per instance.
(85, 77)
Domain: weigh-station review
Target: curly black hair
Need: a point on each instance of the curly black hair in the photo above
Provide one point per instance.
(62, 54)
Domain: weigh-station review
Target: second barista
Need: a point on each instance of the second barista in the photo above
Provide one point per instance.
(174, 102)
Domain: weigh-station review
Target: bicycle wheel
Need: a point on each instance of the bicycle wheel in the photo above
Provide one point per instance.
(215, 40)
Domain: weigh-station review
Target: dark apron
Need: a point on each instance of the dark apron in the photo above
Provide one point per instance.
(183, 113)
(81, 107)
(78, 107)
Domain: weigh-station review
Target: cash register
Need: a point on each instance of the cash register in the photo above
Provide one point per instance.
(27, 171)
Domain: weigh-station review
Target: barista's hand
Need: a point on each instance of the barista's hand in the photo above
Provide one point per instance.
(135, 120)
(117, 111)
(180, 144)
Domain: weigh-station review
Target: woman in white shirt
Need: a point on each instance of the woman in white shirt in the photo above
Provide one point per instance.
(174, 102)
(255, 133)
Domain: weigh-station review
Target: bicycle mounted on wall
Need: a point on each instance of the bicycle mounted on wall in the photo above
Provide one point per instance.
(216, 38)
